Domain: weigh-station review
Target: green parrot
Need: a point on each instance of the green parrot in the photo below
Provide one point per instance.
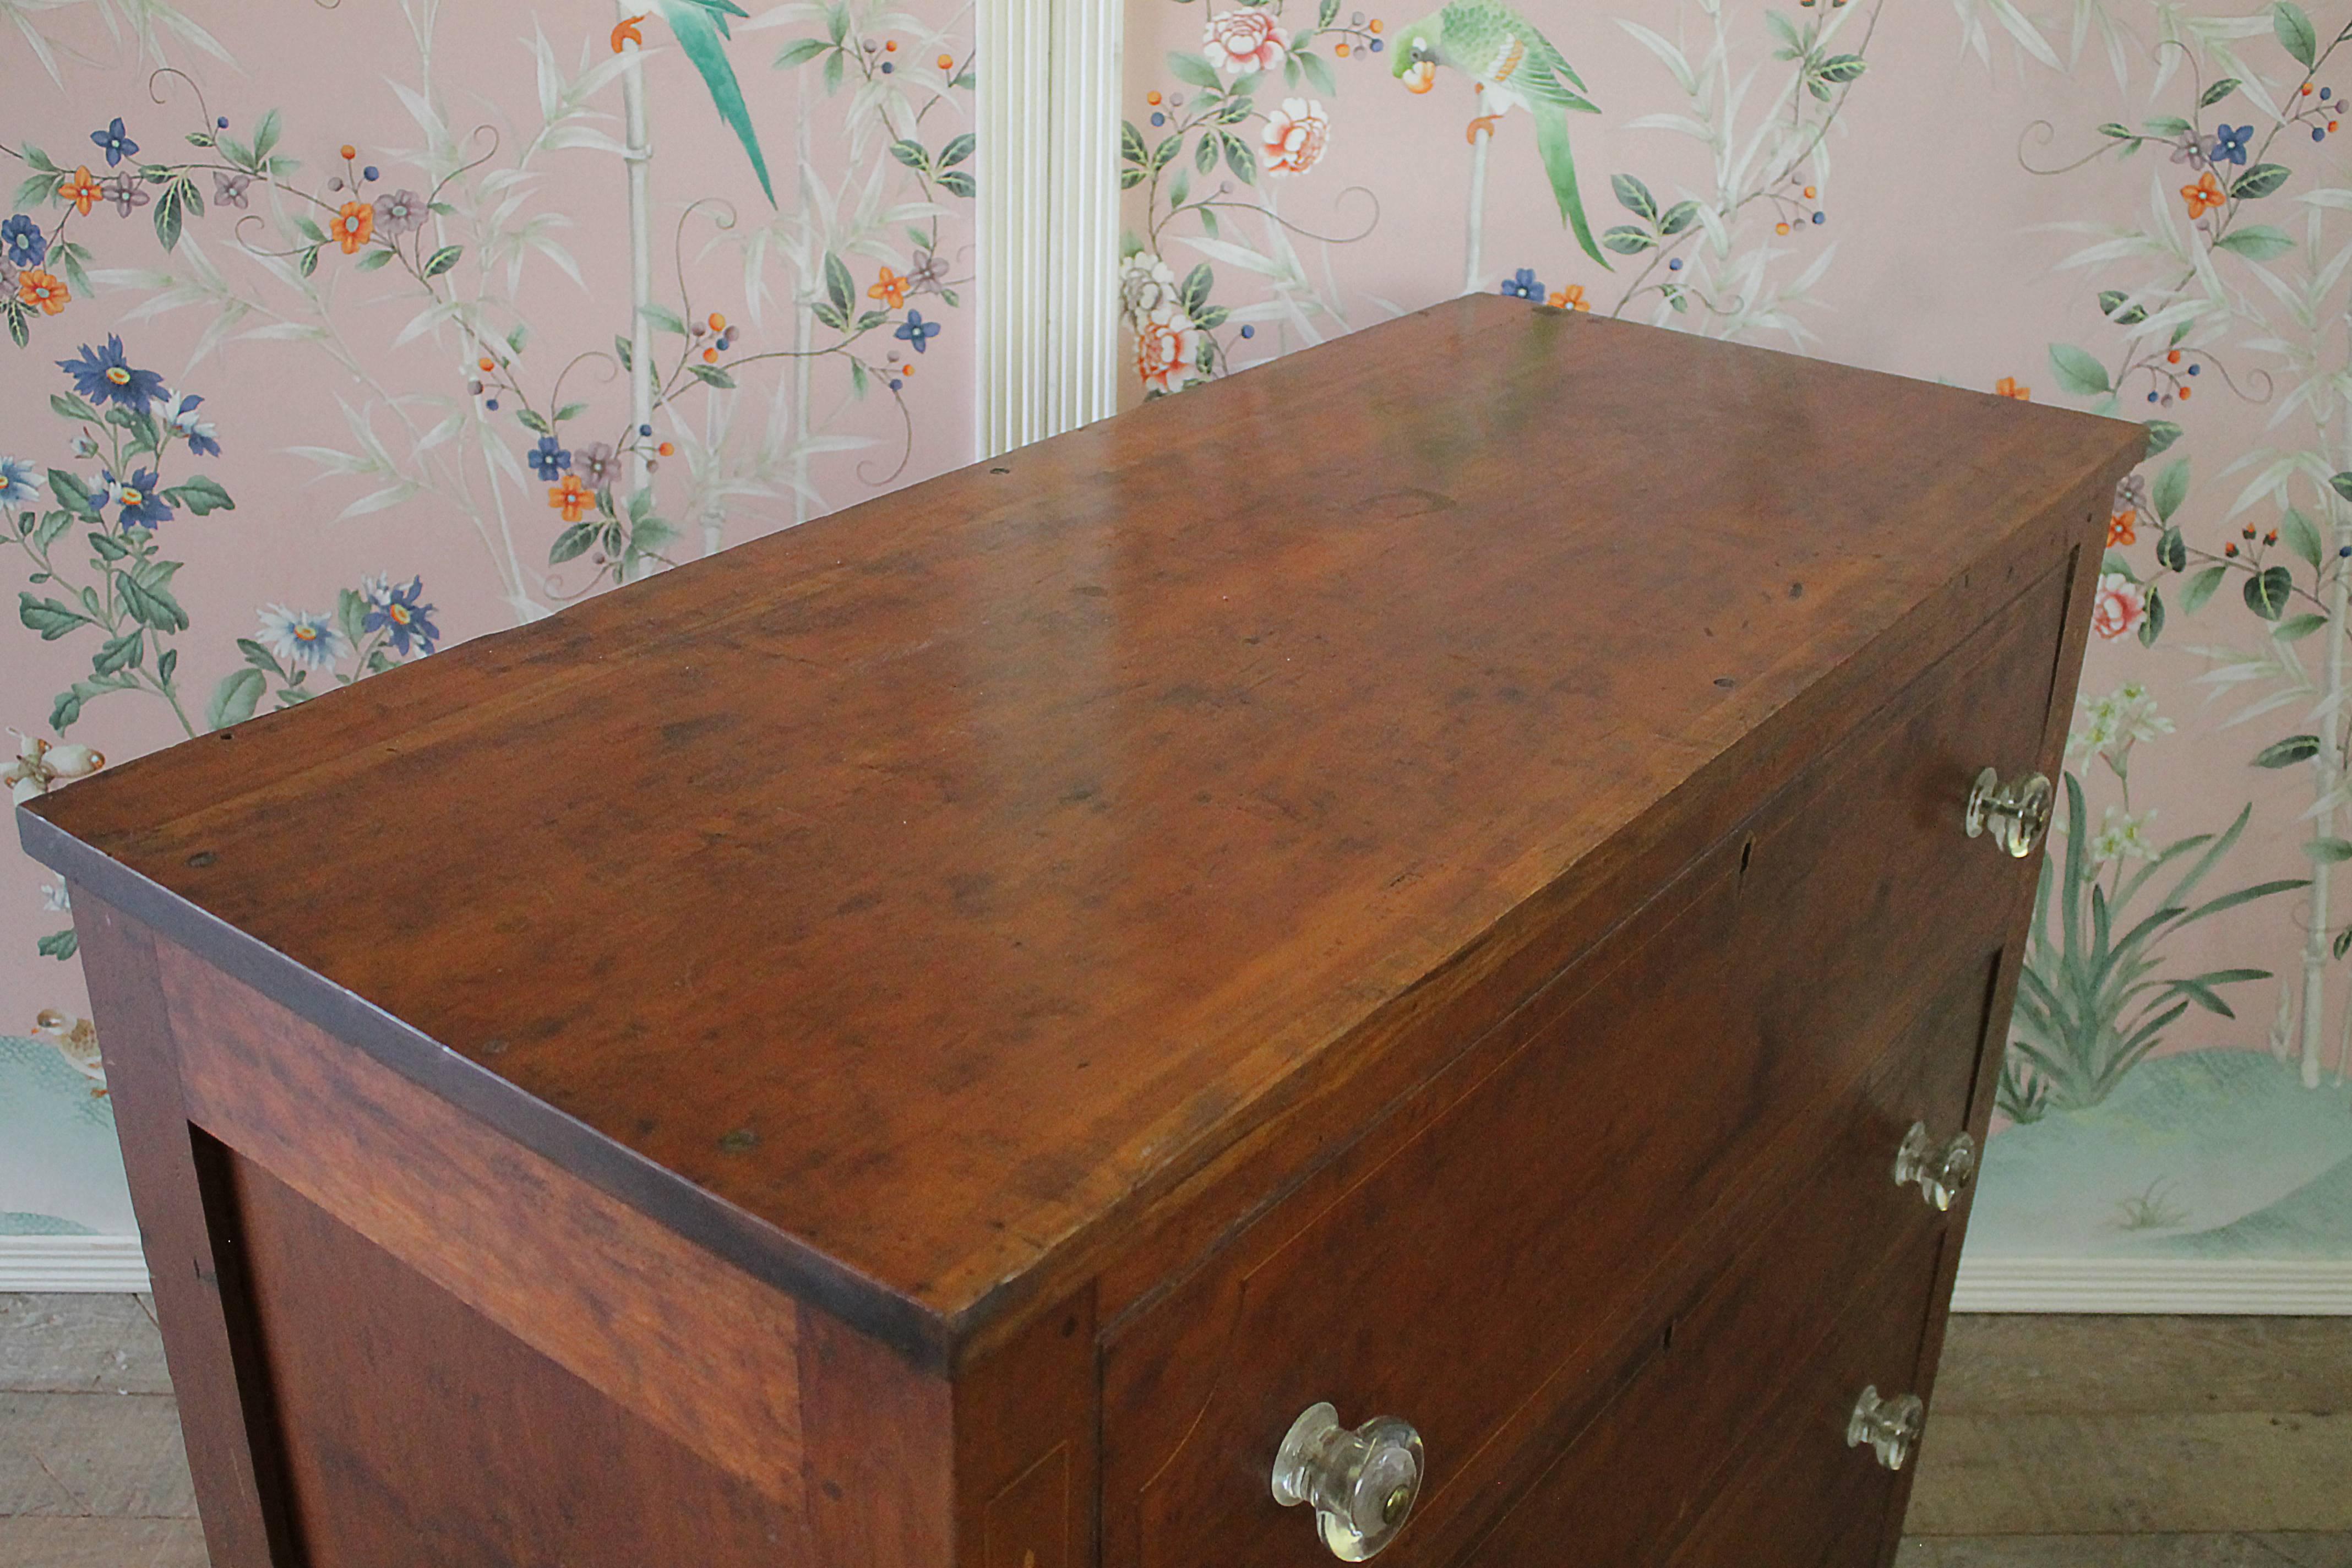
(1517, 66)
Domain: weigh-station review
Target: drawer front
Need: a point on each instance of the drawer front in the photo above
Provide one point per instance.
(1469, 1278)
(1630, 1484)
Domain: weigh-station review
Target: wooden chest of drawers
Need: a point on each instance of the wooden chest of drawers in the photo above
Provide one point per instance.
(1449, 878)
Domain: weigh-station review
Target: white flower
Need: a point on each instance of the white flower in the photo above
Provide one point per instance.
(299, 637)
(1145, 284)
(178, 412)
(1245, 41)
(17, 485)
(2113, 724)
(2121, 835)
(1296, 136)
(55, 899)
(40, 764)
(1167, 350)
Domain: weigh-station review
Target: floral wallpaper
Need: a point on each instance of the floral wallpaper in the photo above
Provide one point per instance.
(340, 333)
(2141, 209)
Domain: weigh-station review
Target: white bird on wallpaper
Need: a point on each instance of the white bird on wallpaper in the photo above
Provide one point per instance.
(75, 1039)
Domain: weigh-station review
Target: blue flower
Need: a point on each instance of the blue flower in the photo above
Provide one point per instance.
(116, 145)
(179, 415)
(142, 505)
(299, 639)
(548, 459)
(2230, 143)
(916, 331)
(104, 377)
(16, 486)
(27, 245)
(1522, 285)
(396, 611)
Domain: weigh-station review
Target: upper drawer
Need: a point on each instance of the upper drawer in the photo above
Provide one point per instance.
(1462, 1266)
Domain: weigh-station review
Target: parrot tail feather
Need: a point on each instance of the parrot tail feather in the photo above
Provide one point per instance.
(1560, 163)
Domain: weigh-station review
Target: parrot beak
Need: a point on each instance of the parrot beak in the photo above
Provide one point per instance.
(1421, 77)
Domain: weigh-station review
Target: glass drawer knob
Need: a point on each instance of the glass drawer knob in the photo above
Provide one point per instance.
(2016, 813)
(1942, 1171)
(1891, 1426)
(1361, 1483)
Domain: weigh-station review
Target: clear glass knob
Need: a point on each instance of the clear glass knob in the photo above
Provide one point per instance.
(1891, 1426)
(1361, 1483)
(2016, 813)
(1942, 1171)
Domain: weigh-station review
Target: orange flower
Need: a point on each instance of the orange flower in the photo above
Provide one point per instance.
(2202, 197)
(2119, 527)
(571, 498)
(82, 190)
(35, 286)
(891, 291)
(626, 32)
(2007, 386)
(354, 225)
(1570, 298)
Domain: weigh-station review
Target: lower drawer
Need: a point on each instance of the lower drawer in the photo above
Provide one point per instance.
(1698, 1406)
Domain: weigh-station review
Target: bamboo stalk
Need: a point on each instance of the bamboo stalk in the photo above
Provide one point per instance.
(2331, 770)
(640, 264)
(1474, 268)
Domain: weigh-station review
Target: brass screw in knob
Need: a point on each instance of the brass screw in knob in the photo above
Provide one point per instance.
(1942, 1171)
(1361, 1483)
(2016, 813)
(1891, 1426)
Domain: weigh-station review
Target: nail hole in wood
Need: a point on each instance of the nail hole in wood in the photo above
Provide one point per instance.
(202, 858)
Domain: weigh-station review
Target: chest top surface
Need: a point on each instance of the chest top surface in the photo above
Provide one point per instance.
(919, 880)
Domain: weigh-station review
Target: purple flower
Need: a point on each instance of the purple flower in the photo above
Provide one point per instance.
(398, 213)
(142, 505)
(26, 244)
(396, 611)
(549, 458)
(1522, 285)
(916, 331)
(114, 143)
(228, 187)
(104, 377)
(124, 191)
(599, 464)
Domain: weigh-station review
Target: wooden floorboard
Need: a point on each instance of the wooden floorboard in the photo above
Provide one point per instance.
(2054, 1443)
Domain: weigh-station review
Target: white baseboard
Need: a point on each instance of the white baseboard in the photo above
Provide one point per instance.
(85, 1263)
(2278, 1287)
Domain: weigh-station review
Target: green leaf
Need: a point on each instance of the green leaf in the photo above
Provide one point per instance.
(2295, 629)
(2166, 126)
(1191, 70)
(857, 378)
(57, 944)
(120, 653)
(663, 318)
(174, 204)
(260, 657)
(960, 182)
(701, 33)
(2340, 483)
(1193, 292)
(235, 698)
(2171, 488)
(2120, 132)
(2300, 535)
(1130, 142)
(2171, 550)
(622, 351)
(834, 69)
(107, 547)
(1240, 159)
(1325, 13)
(711, 375)
(264, 135)
(68, 487)
(2287, 753)
(839, 288)
(2256, 242)
(2151, 627)
(1678, 217)
(2200, 588)
(1318, 71)
(310, 262)
(2113, 305)
(379, 256)
(824, 311)
(68, 706)
(1634, 197)
(66, 406)
(1165, 153)
(573, 542)
(2161, 434)
(911, 152)
(1205, 156)
(50, 618)
(309, 230)
(1627, 240)
(2259, 181)
(2217, 93)
(20, 321)
(1842, 68)
(959, 148)
(2078, 372)
(2329, 849)
(2296, 33)
(166, 664)
(532, 419)
(200, 494)
(443, 260)
(2268, 591)
(799, 52)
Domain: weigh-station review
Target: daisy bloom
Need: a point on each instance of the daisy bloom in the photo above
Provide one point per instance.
(1296, 136)
(2119, 607)
(354, 225)
(16, 482)
(1245, 41)
(299, 637)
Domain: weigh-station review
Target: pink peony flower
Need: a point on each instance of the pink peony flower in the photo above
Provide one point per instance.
(1245, 41)
(2119, 607)
(1296, 135)
(1167, 349)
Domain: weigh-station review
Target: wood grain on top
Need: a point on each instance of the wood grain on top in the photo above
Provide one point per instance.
(926, 881)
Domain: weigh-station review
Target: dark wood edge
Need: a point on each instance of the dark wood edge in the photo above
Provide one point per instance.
(917, 1333)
